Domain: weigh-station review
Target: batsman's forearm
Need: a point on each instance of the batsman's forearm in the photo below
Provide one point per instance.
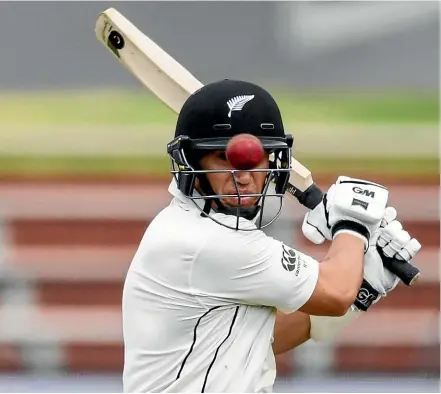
(290, 331)
(339, 278)
(342, 267)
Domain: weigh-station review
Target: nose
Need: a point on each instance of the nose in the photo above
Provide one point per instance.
(243, 177)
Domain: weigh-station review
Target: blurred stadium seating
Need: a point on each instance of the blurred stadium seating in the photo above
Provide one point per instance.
(69, 246)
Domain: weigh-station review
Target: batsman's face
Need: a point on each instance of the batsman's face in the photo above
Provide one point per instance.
(223, 182)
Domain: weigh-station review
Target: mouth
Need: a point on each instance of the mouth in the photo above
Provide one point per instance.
(244, 202)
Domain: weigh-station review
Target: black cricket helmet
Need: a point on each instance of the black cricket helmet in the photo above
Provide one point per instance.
(209, 118)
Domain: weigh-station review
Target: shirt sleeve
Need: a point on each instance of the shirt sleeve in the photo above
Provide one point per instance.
(253, 268)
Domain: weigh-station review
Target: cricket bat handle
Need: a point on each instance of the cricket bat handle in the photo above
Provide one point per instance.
(312, 196)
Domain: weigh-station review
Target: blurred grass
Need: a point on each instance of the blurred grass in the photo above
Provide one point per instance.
(147, 165)
(361, 109)
(119, 108)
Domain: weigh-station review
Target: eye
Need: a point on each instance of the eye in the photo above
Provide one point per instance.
(222, 156)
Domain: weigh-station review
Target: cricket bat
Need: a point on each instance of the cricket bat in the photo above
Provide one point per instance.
(173, 84)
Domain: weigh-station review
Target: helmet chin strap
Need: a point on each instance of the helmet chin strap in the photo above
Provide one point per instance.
(246, 213)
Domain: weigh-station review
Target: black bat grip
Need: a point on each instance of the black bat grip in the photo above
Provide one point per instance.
(407, 272)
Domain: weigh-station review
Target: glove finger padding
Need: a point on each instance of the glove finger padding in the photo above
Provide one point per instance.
(399, 246)
(393, 242)
(390, 214)
(396, 245)
(389, 232)
(410, 250)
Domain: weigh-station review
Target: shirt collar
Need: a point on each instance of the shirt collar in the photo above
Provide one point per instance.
(182, 198)
(175, 192)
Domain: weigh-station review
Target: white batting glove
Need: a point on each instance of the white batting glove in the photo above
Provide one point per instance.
(351, 206)
(389, 241)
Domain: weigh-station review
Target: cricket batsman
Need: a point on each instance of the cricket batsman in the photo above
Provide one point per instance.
(209, 298)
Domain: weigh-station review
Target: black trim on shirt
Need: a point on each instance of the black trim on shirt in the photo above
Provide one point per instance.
(194, 340)
(217, 350)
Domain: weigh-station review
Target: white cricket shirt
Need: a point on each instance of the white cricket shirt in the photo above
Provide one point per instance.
(200, 300)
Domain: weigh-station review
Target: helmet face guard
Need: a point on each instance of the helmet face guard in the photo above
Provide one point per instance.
(185, 154)
(207, 121)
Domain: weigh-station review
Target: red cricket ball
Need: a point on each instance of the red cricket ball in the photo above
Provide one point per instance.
(244, 152)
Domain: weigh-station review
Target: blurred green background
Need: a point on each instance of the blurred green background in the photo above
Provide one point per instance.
(114, 132)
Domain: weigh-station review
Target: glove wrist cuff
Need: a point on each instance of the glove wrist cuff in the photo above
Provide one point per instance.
(366, 296)
(355, 228)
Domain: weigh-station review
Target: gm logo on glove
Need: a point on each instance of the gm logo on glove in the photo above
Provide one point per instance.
(364, 192)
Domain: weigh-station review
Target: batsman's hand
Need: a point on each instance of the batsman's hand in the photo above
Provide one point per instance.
(389, 241)
(352, 206)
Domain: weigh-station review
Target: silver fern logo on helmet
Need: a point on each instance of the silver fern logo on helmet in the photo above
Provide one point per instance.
(237, 103)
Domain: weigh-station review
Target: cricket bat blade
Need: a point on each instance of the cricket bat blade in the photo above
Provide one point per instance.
(145, 60)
